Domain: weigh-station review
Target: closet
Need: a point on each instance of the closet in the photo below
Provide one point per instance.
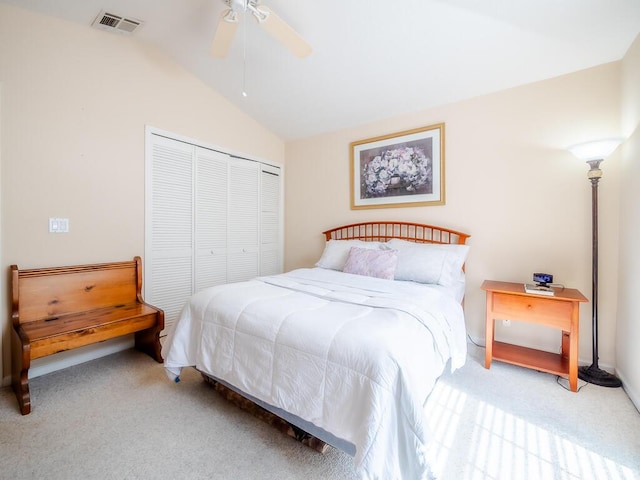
(211, 218)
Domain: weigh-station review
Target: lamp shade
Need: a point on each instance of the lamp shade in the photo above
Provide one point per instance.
(598, 150)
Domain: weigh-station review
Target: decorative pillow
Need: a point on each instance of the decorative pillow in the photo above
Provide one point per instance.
(371, 263)
(439, 264)
(336, 252)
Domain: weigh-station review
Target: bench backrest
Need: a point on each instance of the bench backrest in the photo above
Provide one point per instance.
(46, 293)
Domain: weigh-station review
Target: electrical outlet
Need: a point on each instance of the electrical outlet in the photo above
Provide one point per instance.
(506, 323)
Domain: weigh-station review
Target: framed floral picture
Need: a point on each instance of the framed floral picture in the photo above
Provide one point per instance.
(404, 169)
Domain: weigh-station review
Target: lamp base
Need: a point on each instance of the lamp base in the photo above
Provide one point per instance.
(597, 376)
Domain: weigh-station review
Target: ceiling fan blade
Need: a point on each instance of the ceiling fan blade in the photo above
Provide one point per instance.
(283, 32)
(225, 31)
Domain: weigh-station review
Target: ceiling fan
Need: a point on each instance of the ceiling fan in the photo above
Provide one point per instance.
(274, 25)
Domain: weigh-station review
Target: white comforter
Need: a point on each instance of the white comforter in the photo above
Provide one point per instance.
(356, 356)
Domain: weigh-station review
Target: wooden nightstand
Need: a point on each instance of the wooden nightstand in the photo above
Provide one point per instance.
(509, 301)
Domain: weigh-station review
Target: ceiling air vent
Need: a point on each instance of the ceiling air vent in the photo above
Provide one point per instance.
(116, 23)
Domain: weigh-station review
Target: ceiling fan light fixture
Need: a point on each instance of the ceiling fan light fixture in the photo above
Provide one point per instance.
(238, 4)
(261, 15)
(231, 16)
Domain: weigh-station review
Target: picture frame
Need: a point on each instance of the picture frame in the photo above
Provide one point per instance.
(403, 169)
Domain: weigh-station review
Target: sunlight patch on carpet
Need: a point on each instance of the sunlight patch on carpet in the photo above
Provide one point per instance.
(506, 446)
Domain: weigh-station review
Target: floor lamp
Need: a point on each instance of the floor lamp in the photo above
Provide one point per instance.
(594, 153)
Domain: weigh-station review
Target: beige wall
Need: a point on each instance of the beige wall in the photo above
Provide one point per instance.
(628, 327)
(510, 183)
(75, 102)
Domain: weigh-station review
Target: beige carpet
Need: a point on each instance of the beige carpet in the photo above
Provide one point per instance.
(119, 417)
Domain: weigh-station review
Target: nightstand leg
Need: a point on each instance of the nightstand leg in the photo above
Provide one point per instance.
(570, 353)
(573, 349)
(488, 335)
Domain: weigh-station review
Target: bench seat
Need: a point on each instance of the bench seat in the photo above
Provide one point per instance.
(57, 334)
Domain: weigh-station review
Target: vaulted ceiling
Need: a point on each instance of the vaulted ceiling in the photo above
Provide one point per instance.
(372, 59)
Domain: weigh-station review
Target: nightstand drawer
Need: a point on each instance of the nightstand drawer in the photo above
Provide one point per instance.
(517, 307)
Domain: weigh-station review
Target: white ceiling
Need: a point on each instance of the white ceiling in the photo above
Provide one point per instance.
(374, 59)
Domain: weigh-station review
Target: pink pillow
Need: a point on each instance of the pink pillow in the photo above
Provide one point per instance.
(371, 263)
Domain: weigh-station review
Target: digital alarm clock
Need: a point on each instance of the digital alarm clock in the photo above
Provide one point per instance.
(543, 279)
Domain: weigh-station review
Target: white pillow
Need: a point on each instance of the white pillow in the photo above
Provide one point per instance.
(432, 263)
(336, 252)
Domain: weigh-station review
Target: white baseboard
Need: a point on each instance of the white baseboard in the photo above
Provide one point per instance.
(633, 395)
(42, 366)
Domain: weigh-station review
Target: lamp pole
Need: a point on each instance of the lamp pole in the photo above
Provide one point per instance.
(593, 373)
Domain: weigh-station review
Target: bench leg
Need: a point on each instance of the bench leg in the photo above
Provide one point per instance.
(148, 341)
(21, 389)
(20, 362)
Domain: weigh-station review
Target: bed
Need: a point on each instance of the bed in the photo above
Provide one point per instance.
(348, 350)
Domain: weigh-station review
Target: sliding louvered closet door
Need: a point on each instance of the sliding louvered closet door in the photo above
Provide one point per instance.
(270, 245)
(168, 262)
(243, 220)
(210, 219)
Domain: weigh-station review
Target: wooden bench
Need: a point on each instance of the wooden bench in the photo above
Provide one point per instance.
(60, 308)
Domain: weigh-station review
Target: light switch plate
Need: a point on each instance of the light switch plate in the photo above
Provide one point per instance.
(58, 225)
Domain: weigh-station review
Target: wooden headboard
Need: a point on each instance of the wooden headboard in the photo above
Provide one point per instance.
(383, 231)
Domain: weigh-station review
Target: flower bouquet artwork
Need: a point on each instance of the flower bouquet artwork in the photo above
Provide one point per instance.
(402, 169)
(398, 171)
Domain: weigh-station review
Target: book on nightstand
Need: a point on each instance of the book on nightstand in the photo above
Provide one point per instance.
(538, 289)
